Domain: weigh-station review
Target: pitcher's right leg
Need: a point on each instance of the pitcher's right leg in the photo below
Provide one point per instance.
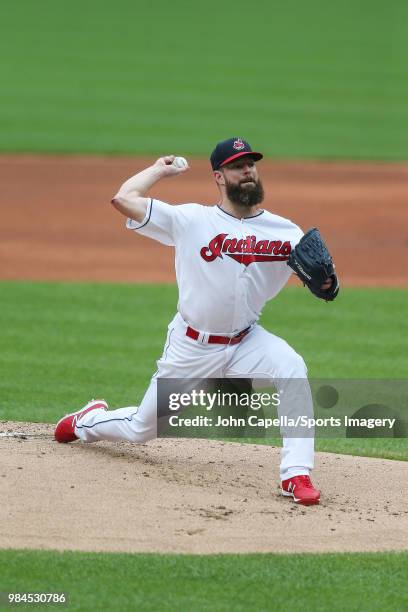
(181, 356)
(134, 424)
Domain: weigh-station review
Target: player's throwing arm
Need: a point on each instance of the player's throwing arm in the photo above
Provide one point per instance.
(130, 199)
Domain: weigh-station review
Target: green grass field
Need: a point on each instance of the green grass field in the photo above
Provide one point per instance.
(351, 582)
(298, 79)
(64, 343)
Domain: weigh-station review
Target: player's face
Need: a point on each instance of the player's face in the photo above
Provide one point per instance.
(242, 184)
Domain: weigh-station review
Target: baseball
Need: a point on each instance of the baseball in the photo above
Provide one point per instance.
(180, 162)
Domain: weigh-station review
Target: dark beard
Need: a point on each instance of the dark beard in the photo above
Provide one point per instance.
(248, 195)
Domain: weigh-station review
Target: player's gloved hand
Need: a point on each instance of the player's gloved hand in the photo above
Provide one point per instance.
(313, 264)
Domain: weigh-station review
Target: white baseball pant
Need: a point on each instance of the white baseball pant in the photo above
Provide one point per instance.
(260, 355)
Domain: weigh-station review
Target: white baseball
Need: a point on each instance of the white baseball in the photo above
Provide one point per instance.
(180, 162)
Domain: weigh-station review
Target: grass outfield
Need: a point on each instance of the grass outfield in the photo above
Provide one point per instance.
(305, 79)
(63, 343)
(352, 582)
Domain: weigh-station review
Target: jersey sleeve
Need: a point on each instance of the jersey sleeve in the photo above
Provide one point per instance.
(163, 222)
(298, 235)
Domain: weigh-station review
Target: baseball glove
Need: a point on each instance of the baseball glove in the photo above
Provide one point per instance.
(312, 263)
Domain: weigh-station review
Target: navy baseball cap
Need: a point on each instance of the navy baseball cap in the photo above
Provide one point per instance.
(228, 150)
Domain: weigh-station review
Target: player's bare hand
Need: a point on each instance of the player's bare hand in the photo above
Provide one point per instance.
(327, 284)
(170, 165)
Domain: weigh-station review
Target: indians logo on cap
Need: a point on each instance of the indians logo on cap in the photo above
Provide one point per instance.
(238, 145)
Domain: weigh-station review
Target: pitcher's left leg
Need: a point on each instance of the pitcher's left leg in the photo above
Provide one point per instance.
(262, 355)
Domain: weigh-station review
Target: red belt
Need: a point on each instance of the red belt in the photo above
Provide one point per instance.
(194, 334)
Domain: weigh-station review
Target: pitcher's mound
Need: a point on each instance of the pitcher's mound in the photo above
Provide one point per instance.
(190, 496)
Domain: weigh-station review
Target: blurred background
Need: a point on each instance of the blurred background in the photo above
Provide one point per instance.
(301, 80)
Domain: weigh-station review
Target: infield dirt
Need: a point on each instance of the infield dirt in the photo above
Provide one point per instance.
(57, 223)
(191, 496)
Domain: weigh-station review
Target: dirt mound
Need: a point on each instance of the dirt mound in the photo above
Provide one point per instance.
(190, 496)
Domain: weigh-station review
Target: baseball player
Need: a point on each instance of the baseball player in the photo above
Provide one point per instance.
(230, 259)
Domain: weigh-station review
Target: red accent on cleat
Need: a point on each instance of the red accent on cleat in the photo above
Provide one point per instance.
(65, 428)
(301, 489)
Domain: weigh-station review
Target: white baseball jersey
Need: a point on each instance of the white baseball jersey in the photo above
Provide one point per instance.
(226, 268)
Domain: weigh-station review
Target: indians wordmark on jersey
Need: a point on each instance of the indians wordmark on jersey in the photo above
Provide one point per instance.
(246, 250)
(236, 263)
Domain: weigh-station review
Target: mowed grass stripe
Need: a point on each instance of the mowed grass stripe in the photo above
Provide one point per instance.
(335, 582)
(323, 79)
(63, 343)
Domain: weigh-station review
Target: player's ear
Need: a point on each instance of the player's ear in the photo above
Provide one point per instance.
(219, 177)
